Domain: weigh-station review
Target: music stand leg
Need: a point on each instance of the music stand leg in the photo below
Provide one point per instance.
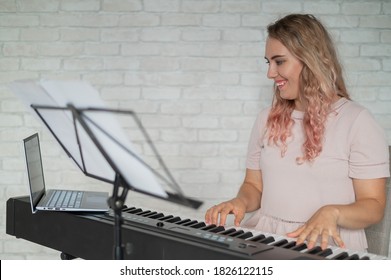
(116, 202)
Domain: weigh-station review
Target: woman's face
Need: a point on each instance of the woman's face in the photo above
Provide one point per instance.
(284, 69)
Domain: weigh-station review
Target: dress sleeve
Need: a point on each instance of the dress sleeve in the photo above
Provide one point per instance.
(255, 142)
(369, 154)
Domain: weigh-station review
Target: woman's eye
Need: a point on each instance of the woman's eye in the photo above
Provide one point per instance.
(279, 62)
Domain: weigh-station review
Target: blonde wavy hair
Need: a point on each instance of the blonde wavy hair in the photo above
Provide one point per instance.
(321, 80)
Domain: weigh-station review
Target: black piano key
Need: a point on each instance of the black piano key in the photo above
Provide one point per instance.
(165, 218)
(236, 233)
(143, 212)
(314, 250)
(217, 229)
(267, 240)
(353, 257)
(126, 210)
(245, 235)
(135, 211)
(257, 237)
(198, 225)
(149, 214)
(189, 223)
(173, 220)
(280, 243)
(341, 256)
(289, 245)
(208, 227)
(364, 258)
(228, 231)
(326, 252)
(183, 221)
(299, 247)
(156, 216)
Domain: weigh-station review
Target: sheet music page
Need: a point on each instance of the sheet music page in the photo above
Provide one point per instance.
(29, 92)
(83, 95)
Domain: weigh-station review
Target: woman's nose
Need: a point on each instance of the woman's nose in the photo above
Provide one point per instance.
(271, 72)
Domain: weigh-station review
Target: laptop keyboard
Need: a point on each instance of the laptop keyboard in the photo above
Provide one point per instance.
(65, 199)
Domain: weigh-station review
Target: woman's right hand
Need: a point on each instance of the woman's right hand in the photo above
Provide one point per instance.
(248, 199)
(217, 214)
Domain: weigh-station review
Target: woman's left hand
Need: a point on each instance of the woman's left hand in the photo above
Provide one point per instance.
(322, 225)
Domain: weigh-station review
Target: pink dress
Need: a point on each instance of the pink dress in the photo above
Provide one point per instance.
(354, 146)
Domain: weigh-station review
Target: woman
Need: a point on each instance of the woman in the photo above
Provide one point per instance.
(317, 162)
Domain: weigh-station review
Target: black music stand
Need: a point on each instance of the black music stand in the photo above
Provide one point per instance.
(120, 184)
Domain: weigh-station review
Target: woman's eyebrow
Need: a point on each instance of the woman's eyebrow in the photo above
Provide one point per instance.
(275, 56)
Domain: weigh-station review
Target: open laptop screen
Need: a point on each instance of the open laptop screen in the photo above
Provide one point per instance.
(34, 168)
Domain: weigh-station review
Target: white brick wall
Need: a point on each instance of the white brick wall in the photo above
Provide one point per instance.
(192, 70)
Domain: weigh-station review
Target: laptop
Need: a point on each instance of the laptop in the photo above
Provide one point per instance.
(56, 200)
